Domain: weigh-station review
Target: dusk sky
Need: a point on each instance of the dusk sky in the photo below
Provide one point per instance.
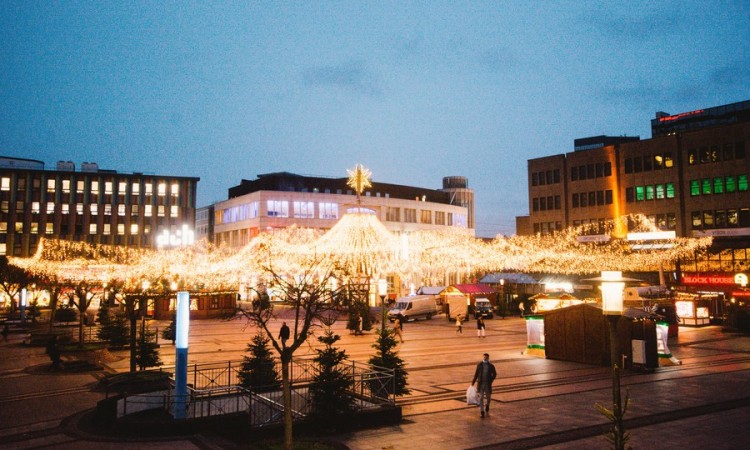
(414, 91)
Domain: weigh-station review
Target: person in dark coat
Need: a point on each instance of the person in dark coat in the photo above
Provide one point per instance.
(485, 374)
(284, 334)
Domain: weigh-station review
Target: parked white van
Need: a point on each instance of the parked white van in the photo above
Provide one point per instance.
(414, 307)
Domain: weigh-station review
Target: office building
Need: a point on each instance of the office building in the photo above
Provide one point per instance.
(279, 200)
(91, 205)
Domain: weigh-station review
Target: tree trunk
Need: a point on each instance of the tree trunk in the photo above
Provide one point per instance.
(133, 326)
(287, 393)
(80, 328)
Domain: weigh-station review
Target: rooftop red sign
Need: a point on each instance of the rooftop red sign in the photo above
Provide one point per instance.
(707, 279)
(681, 115)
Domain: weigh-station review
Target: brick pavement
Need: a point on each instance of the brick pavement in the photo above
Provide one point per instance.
(537, 403)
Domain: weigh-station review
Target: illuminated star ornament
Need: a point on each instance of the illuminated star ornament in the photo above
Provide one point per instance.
(359, 179)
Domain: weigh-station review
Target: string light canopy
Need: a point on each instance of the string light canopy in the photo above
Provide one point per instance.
(359, 244)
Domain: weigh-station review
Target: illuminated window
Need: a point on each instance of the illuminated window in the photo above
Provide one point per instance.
(49, 229)
(3, 227)
(107, 188)
(107, 210)
(79, 186)
(742, 183)
(122, 187)
(706, 186)
(732, 218)
(34, 228)
(708, 219)
(148, 210)
(175, 189)
(731, 184)
(121, 229)
(121, 210)
(392, 214)
(107, 229)
(92, 228)
(695, 187)
(51, 186)
(719, 185)
(410, 215)
(669, 187)
(133, 228)
(162, 189)
(19, 227)
(277, 208)
(304, 210)
(149, 188)
(19, 207)
(649, 192)
(136, 188)
(696, 219)
(95, 187)
(160, 211)
(94, 207)
(79, 208)
(659, 191)
(5, 184)
(65, 208)
(668, 160)
(174, 210)
(66, 186)
(133, 210)
(4, 205)
(35, 208)
(439, 218)
(640, 194)
(425, 216)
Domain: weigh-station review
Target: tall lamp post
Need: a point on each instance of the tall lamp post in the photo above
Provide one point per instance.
(382, 292)
(612, 286)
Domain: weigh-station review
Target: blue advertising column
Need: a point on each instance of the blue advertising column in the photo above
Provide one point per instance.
(180, 404)
(23, 305)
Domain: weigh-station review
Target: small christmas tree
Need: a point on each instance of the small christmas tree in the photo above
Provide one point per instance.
(147, 355)
(388, 358)
(105, 322)
(169, 332)
(356, 310)
(331, 387)
(258, 371)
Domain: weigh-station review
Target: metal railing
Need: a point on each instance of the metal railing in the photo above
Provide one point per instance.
(216, 390)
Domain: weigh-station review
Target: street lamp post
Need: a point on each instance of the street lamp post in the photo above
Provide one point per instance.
(612, 286)
(382, 292)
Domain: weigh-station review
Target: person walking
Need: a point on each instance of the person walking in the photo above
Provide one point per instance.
(359, 325)
(397, 329)
(6, 331)
(284, 334)
(480, 327)
(485, 374)
(459, 327)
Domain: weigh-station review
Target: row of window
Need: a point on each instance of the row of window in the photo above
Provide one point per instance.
(546, 203)
(330, 210)
(719, 185)
(593, 198)
(721, 218)
(648, 163)
(591, 171)
(48, 228)
(649, 192)
(666, 222)
(547, 227)
(716, 153)
(545, 177)
(94, 208)
(94, 187)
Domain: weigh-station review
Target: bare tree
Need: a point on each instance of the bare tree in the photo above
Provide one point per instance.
(306, 297)
(81, 296)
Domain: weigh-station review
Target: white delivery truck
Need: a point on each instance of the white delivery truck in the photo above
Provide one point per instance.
(414, 307)
(459, 304)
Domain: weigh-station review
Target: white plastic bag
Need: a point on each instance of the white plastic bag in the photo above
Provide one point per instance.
(471, 396)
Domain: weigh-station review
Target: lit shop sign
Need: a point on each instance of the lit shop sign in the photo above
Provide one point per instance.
(681, 115)
(594, 238)
(713, 279)
(651, 236)
(180, 238)
(722, 232)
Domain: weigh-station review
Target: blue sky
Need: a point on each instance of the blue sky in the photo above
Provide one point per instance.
(415, 91)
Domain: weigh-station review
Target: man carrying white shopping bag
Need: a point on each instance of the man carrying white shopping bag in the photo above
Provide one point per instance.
(485, 374)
